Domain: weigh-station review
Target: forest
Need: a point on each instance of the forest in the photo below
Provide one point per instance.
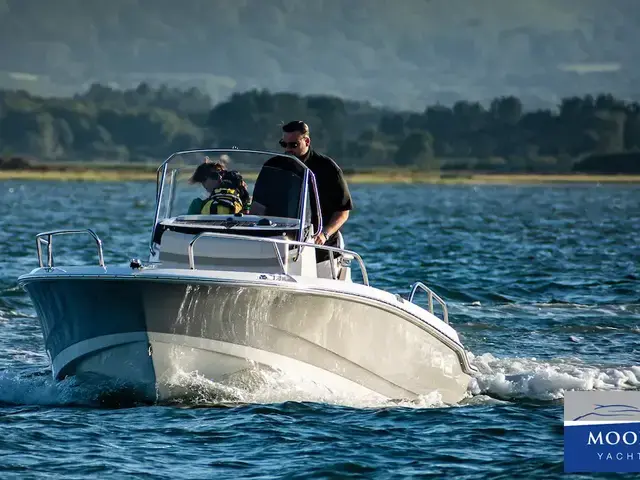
(598, 133)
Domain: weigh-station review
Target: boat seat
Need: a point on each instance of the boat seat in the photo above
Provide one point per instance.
(227, 254)
(277, 186)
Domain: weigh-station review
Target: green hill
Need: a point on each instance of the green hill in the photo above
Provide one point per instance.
(395, 52)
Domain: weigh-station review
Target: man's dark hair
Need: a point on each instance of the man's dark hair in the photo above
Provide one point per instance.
(296, 126)
(207, 170)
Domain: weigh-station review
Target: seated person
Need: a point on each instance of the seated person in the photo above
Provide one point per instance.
(226, 189)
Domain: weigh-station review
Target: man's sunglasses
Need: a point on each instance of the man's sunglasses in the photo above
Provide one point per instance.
(284, 144)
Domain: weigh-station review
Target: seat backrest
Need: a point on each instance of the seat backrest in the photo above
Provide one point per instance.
(278, 187)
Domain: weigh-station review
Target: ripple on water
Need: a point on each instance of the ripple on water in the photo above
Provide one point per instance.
(541, 282)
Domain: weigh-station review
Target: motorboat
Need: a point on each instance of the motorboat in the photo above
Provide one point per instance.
(223, 294)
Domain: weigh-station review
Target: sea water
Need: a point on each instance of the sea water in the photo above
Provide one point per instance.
(542, 284)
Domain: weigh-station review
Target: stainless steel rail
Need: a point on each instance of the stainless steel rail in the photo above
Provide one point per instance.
(275, 241)
(40, 240)
(431, 295)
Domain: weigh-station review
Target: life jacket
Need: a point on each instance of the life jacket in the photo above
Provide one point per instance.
(222, 201)
(229, 198)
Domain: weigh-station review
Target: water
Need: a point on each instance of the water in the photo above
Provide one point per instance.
(542, 283)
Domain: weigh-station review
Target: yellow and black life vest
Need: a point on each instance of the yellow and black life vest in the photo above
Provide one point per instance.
(223, 201)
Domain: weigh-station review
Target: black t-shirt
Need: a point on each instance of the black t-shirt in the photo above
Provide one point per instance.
(333, 191)
(332, 187)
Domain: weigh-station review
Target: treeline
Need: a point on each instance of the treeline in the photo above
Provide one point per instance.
(147, 124)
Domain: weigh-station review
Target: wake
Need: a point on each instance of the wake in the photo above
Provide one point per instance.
(516, 378)
(500, 380)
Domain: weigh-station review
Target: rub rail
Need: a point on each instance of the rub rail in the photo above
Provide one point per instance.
(40, 240)
(431, 295)
(331, 250)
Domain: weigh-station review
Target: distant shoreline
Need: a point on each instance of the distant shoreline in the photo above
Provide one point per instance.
(111, 174)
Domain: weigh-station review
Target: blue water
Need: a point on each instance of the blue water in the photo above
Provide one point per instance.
(542, 283)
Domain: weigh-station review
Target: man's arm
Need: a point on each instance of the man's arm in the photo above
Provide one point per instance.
(342, 204)
(335, 222)
(257, 208)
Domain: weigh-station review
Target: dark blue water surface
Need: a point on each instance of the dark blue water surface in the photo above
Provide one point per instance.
(542, 283)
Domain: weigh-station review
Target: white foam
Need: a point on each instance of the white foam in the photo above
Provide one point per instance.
(263, 386)
(529, 378)
(498, 380)
(252, 387)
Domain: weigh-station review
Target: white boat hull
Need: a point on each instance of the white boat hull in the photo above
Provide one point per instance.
(144, 328)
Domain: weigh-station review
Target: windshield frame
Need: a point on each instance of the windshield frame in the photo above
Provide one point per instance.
(308, 176)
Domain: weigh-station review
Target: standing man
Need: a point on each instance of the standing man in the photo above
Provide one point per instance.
(335, 198)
